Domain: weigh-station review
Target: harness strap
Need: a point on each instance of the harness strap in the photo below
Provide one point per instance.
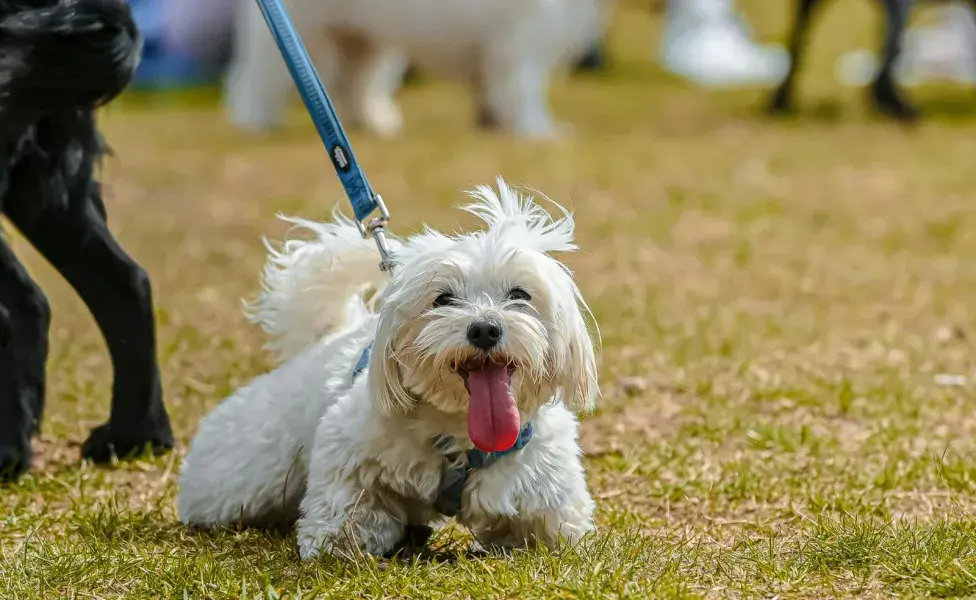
(363, 362)
(455, 473)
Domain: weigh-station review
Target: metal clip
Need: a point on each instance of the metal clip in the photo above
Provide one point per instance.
(376, 229)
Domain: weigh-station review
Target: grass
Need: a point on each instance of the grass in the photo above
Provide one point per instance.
(782, 304)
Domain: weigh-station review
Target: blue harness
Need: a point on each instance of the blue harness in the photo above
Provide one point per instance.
(456, 471)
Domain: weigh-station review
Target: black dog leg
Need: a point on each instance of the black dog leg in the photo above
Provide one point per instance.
(888, 99)
(782, 100)
(76, 240)
(24, 319)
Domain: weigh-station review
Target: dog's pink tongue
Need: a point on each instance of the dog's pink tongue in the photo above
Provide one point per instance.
(493, 418)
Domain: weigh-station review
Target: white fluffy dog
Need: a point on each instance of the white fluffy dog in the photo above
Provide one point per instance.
(454, 399)
(505, 48)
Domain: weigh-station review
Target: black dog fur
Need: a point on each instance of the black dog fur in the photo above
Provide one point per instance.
(886, 96)
(59, 59)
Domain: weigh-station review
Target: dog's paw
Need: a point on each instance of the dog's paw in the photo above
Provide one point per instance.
(544, 132)
(105, 444)
(316, 542)
(375, 533)
(14, 459)
(898, 109)
(310, 544)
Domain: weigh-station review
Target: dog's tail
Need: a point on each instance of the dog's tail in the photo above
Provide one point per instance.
(314, 287)
(60, 55)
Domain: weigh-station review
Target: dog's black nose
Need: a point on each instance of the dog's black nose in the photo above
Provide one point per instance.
(484, 334)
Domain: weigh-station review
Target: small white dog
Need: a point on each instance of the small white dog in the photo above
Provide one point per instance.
(453, 400)
(506, 49)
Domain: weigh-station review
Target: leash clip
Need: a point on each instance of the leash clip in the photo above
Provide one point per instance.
(364, 200)
(376, 228)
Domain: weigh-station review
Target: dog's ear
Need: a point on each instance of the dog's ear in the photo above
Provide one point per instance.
(574, 359)
(385, 387)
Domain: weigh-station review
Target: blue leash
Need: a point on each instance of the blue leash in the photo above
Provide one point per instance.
(362, 197)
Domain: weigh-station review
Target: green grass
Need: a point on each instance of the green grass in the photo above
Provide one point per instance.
(778, 303)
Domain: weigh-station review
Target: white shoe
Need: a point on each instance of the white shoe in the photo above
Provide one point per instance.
(705, 42)
(942, 52)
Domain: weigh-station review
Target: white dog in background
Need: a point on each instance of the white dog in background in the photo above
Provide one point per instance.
(506, 49)
(461, 385)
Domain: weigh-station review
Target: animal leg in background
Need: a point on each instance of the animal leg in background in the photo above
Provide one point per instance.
(782, 100)
(24, 319)
(884, 90)
(885, 94)
(367, 78)
(75, 238)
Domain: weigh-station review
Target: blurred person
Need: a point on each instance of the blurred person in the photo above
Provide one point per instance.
(203, 30)
(187, 42)
(709, 43)
(942, 51)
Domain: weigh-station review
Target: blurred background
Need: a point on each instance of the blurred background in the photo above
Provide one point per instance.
(711, 43)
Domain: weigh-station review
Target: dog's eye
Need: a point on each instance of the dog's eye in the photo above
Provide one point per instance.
(519, 294)
(445, 299)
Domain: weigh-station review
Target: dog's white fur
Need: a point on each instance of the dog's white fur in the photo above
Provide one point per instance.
(354, 457)
(506, 49)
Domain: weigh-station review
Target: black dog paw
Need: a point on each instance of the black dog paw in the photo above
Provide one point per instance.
(414, 541)
(780, 103)
(105, 443)
(14, 460)
(891, 103)
(900, 111)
